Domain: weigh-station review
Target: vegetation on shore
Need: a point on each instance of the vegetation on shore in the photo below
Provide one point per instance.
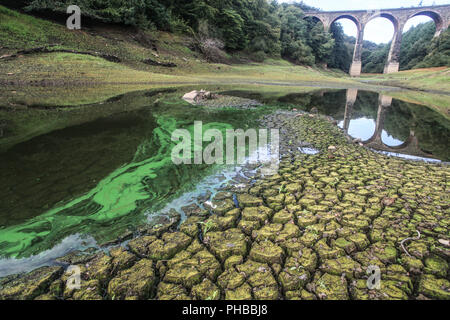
(429, 79)
(67, 79)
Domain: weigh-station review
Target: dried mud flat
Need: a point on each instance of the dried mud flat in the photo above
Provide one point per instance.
(309, 232)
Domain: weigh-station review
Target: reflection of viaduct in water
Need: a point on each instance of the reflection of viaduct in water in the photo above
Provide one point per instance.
(410, 146)
(398, 17)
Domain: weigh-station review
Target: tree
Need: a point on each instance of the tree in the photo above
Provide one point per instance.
(340, 57)
(260, 28)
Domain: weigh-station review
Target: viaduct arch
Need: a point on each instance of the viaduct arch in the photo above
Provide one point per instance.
(440, 14)
(410, 146)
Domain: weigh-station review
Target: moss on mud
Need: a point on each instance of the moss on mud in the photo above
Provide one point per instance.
(309, 232)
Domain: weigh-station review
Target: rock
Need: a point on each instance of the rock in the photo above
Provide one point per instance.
(160, 249)
(220, 207)
(385, 252)
(222, 195)
(31, 285)
(188, 269)
(171, 291)
(259, 214)
(418, 249)
(247, 200)
(140, 244)
(360, 240)
(161, 223)
(230, 279)
(217, 223)
(289, 231)
(45, 297)
(325, 252)
(190, 226)
(331, 287)
(56, 288)
(206, 290)
(268, 232)
(207, 264)
(233, 261)
(433, 287)
(266, 293)
(194, 210)
(183, 274)
(100, 268)
(389, 290)
(282, 216)
(436, 265)
(89, 290)
(348, 246)
(227, 243)
(122, 259)
(248, 227)
(343, 265)
(306, 218)
(262, 278)
(267, 252)
(244, 292)
(190, 95)
(76, 257)
(137, 281)
(195, 97)
(366, 259)
(294, 275)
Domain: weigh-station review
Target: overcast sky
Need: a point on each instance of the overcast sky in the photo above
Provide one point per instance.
(379, 30)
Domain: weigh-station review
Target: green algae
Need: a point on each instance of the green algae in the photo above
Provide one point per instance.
(123, 197)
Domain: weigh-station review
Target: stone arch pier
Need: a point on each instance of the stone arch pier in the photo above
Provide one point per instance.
(411, 144)
(440, 14)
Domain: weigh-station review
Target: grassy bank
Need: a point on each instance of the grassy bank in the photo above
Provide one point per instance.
(19, 31)
(66, 79)
(429, 79)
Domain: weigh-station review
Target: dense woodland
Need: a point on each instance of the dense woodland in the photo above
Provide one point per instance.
(259, 28)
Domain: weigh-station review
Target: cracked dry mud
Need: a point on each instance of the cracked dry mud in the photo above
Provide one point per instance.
(309, 232)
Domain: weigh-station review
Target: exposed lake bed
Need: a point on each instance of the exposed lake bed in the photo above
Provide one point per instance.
(310, 231)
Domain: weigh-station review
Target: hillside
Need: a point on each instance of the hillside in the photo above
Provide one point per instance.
(75, 57)
(43, 52)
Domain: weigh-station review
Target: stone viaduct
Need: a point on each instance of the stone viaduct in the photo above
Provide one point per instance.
(440, 14)
(410, 146)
